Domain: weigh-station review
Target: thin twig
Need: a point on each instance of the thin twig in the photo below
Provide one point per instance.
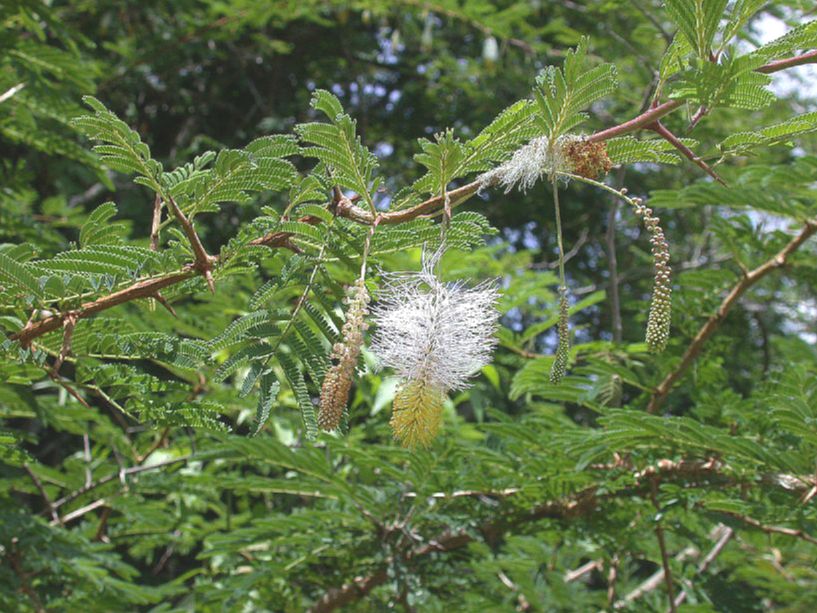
(204, 262)
(662, 545)
(725, 537)
(612, 577)
(11, 92)
(86, 451)
(713, 323)
(80, 512)
(668, 136)
(39, 485)
(112, 477)
(581, 571)
(612, 268)
(68, 325)
(809, 57)
(749, 521)
(524, 604)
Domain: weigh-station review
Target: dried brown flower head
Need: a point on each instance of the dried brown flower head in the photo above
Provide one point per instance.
(587, 159)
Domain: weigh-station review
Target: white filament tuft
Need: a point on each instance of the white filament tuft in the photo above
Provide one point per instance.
(434, 332)
(529, 165)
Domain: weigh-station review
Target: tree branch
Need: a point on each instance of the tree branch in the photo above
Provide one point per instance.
(583, 503)
(118, 474)
(662, 545)
(668, 136)
(141, 289)
(39, 485)
(750, 521)
(708, 329)
(654, 114)
(725, 536)
(810, 57)
(204, 262)
(345, 208)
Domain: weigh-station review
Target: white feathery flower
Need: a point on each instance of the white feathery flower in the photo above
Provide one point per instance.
(529, 164)
(439, 334)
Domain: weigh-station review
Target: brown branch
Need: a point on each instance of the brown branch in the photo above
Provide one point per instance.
(39, 485)
(711, 325)
(74, 393)
(141, 289)
(750, 521)
(726, 536)
(204, 262)
(25, 586)
(100, 535)
(612, 578)
(809, 57)
(68, 325)
(583, 503)
(662, 545)
(654, 114)
(640, 122)
(668, 136)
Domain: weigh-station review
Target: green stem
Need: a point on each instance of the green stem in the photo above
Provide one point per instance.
(559, 232)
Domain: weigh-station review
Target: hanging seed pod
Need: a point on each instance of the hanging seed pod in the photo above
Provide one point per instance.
(559, 367)
(338, 380)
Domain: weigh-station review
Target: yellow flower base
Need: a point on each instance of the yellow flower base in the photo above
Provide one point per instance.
(417, 414)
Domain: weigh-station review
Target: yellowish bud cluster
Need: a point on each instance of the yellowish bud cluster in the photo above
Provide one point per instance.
(417, 414)
(338, 381)
(658, 323)
(559, 367)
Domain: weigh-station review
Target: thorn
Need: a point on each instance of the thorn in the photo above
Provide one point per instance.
(163, 301)
(156, 223)
(68, 325)
(208, 275)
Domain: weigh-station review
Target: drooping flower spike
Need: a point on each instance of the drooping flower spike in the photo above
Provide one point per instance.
(435, 336)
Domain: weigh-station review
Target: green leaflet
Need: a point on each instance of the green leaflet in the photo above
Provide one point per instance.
(123, 149)
(336, 145)
(562, 94)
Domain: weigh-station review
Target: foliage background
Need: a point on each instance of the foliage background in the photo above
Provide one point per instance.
(529, 481)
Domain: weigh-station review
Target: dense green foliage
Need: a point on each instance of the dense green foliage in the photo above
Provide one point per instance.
(188, 190)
